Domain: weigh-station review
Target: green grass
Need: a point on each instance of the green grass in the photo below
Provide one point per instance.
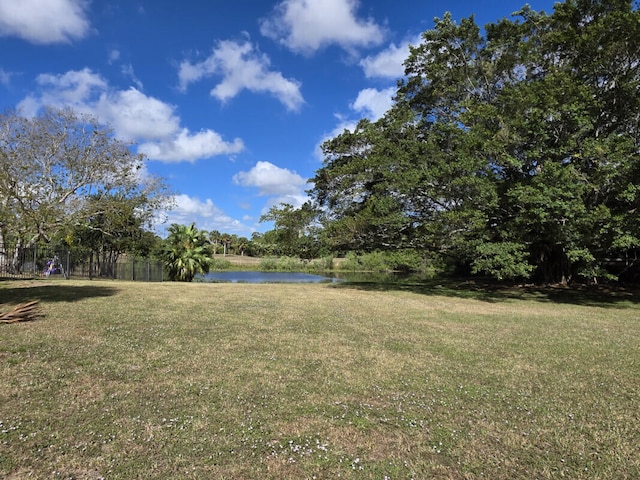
(247, 381)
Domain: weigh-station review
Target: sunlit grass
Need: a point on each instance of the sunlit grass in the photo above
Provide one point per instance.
(131, 380)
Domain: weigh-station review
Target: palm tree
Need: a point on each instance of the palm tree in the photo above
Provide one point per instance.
(225, 240)
(186, 252)
(214, 238)
(242, 244)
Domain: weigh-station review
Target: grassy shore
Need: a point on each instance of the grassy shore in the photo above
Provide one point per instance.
(256, 381)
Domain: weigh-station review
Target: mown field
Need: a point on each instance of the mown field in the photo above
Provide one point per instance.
(263, 381)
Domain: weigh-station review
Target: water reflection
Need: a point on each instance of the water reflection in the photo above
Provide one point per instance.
(300, 277)
(265, 277)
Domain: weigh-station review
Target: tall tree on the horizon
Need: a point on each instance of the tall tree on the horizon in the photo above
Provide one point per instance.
(295, 231)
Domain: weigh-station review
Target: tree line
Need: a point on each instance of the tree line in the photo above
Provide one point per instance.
(511, 151)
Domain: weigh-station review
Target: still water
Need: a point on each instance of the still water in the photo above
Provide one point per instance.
(299, 277)
(265, 277)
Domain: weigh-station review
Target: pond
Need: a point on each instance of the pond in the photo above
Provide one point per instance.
(264, 277)
(244, 276)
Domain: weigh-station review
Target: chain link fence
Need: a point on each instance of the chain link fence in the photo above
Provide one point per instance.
(42, 261)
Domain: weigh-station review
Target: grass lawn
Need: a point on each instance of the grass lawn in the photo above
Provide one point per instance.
(262, 381)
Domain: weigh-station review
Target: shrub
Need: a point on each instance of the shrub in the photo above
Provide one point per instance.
(291, 264)
(321, 264)
(504, 260)
(269, 264)
(220, 264)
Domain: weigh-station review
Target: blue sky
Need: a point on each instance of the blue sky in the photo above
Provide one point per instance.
(229, 101)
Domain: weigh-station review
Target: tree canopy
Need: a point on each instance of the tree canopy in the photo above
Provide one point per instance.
(513, 151)
(63, 172)
(295, 232)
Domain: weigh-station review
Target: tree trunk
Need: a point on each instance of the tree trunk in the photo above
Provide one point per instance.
(3, 252)
(16, 261)
(553, 266)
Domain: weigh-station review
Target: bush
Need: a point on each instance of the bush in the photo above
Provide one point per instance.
(282, 264)
(269, 264)
(350, 262)
(220, 264)
(504, 260)
(291, 264)
(406, 261)
(323, 264)
(398, 261)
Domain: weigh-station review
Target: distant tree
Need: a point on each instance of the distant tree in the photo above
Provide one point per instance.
(214, 238)
(186, 252)
(241, 245)
(110, 231)
(60, 170)
(225, 240)
(295, 230)
(261, 245)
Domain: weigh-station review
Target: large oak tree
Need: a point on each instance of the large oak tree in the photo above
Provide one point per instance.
(513, 150)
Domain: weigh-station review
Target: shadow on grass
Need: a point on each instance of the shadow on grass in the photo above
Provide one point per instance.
(585, 295)
(18, 292)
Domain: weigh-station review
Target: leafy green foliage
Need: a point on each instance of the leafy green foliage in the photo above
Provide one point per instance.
(407, 260)
(220, 264)
(512, 152)
(504, 260)
(295, 232)
(186, 253)
(60, 170)
(65, 178)
(282, 264)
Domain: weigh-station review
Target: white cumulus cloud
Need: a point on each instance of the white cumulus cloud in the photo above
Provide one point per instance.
(389, 62)
(305, 26)
(137, 116)
(191, 146)
(204, 213)
(282, 184)
(374, 103)
(71, 89)
(44, 22)
(133, 115)
(241, 67)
